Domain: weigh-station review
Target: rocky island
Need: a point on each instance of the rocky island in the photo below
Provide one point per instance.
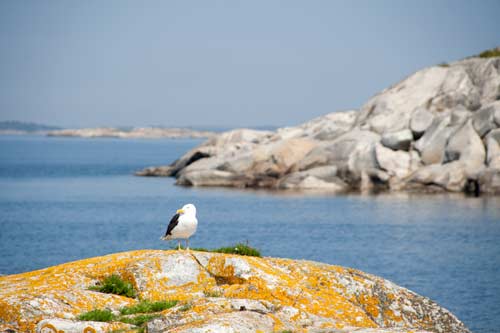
(13, 127)
(437, 130)
(134, 133)
(213, 292)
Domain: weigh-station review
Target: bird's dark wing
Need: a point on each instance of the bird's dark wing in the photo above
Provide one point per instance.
(173, 222)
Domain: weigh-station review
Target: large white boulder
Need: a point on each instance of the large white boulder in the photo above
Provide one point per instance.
(397, 163)
(466, 145)
(400, 140)
(320, 178)
(327, 127)
(493, 149)
(484, 119)
(431, 145)
(450, 176)
(420, 121)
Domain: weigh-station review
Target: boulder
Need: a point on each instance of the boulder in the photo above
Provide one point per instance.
(497, 117)
(320, 178)
(466, 145)
(391, 109)
(484, 119)
(420, 121)
(211, 177)
(238, 136)
(485, 73)
(327, 127)
(219, 293)
(350, 152)
(397, 163)
(450, 176)
(459, 116)
(488, 180)
(58, 325)
(276, 159)
(457, 90)
(155, 171)
(224, 146)
(400, 140)
(435, 89)
(431, 145)
(493, 149)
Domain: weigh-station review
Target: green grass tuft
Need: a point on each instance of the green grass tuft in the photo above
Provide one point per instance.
(240, 249)
(444, 64)
(148, 307)
(97, 315)
(114, 284)
(138, 320)
(490, 53)
(145, 311)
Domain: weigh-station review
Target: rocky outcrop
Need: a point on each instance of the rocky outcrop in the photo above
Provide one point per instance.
(219, 293)
(435, 130)
(134, 133)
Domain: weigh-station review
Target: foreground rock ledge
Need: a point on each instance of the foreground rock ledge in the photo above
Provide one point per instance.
(251, 295)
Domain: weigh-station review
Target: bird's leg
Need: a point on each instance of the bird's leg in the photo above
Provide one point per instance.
(179, 244)
(187, 243)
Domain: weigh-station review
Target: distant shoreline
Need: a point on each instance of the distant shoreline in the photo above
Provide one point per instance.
(134, 133)
(21, 132)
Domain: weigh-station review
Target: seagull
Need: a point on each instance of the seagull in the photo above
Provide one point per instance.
(182, 225)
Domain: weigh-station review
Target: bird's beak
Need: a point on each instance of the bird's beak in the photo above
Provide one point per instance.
(180, 211)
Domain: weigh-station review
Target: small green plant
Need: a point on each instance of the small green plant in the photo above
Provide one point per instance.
(444, 64)
(97, 315)
(490, 53)
(114, 284)
(138, 320)
(136, 315)
(147, 307)
(240, 249)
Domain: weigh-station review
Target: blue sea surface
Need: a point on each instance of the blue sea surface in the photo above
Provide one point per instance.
(63, 199)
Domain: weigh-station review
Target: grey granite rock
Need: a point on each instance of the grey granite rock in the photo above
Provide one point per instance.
(420, 121)
(484, 119)
(400, 140)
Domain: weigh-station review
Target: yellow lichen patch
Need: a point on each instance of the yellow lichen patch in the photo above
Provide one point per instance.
(312, 296)
(370, 303)
(390, 317)
(278, 324)
(223, 274)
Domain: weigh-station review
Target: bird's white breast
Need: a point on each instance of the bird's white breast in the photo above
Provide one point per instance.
(186, 227)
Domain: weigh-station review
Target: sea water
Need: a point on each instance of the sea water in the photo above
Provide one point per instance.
(63, 199)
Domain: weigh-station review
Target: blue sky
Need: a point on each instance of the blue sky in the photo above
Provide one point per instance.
(221, 63)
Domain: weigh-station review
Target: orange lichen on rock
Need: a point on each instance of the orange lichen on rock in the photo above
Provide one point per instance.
(215, 290)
